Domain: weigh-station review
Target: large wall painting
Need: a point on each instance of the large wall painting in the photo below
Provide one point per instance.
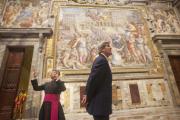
(82, 29)
(26, 13)
(164, 20)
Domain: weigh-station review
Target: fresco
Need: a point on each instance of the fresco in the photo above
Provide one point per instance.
(1, 5)
(81, 30)
(26, 13)
(164, 21)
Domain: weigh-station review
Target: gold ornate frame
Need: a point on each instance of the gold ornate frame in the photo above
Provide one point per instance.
(154, 68)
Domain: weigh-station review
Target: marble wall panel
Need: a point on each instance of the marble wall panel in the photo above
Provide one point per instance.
(135, 97)
(152, 93)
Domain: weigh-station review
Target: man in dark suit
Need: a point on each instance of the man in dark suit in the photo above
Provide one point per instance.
(98, 96)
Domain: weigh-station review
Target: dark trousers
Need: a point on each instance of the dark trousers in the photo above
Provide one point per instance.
(101, 117)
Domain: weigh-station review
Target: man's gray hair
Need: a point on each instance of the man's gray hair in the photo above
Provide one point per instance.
(102, 46)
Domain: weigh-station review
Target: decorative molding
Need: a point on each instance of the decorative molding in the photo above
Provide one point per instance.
(167, 38)
(41, 33)
(25, 32)
(116, 78)
(139, 1)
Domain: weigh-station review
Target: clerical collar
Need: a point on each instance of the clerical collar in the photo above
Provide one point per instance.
(54, 79)
(104, 56)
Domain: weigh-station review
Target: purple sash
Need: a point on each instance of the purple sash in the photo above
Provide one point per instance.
(54, 99)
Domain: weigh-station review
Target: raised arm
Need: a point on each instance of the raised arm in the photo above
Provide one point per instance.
(35, 85)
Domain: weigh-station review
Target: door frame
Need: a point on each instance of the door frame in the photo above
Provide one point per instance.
(175, 67)
(169, 44)
(36, 37)
(12, 49)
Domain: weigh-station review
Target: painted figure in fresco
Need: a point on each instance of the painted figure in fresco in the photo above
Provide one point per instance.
(65, 58)
(132, 49)
(51, 108)
(11, 12)
(81, 47)
(70, 59)
(26, 16)
(175, 26)
(117, 47)
(73, 61)
(169, 22)
(140, 48)
(8, 15)
(148, 53)
(94, 15)
(98, 94)
(159, 25)
(116, 57)
(131, 27)
(93, 54)
(97, 15)
(42, 12)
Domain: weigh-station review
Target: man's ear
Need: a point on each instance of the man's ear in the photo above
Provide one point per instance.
(103, 50)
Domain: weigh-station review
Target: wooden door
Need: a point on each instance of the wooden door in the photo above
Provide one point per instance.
(9, 84)
(175, 65)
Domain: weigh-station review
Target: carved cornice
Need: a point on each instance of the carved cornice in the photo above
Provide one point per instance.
(167, 38)
(139, 1)
(163, 1)
(116, 78)
(25, 32)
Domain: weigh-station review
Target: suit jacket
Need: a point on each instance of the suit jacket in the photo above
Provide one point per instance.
(99, 88)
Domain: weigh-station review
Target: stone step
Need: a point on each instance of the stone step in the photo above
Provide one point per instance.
(154, 113)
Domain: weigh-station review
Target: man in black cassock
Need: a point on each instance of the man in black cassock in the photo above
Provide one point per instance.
(98, 96)
(51, 108)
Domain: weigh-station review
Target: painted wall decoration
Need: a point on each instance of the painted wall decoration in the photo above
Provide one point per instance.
(116, 2)
(2, 2)
(27, 13)
(164, 21)
(81, 30)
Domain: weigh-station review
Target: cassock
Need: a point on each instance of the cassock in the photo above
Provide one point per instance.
(51, 108)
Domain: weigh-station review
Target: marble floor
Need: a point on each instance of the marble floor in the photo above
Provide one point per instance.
(153, 113)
